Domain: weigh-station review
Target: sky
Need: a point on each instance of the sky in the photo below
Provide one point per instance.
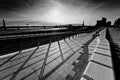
(41, 12)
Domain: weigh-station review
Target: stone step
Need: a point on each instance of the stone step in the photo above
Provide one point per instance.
(100, 63)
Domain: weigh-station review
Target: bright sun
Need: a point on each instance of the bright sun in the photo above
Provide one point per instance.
(58, 15)
(55, 15)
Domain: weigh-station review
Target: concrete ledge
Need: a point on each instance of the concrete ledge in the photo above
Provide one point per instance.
(100, 63)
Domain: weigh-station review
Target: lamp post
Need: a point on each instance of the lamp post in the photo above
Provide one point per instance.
(4, 25)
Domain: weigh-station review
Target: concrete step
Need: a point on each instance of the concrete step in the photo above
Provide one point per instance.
(100, 63)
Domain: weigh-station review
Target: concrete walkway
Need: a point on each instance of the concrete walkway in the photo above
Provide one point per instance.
(100, 63)
(28, 64)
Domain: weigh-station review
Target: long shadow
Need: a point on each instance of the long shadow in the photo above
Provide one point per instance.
(101, 64)
(92, 46)
(69, 45)
(49, 73)
(79, 41)
(20, 58)
(103, 44)
(103, 48)
(20, 68)
(14, 74)
(102, 54)
(40, 67)
(32, 63)
(87, 77)
(20, 52)
(75, 43)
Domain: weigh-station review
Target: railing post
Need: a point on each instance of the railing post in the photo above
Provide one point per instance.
(69, 36)
(20, 44)
(76, 35)
(73, 35)
(38, 42)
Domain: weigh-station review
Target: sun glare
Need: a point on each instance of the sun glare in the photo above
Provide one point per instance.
(60, 15)
(55, 13)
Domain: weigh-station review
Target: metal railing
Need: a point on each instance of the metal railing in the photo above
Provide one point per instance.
(34, 62)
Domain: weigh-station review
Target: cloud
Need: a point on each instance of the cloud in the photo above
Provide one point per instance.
(73, 9)
(107, 4)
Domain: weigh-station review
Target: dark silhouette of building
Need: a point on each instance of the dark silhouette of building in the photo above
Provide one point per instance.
(101, 23)
(108, 24)
(104, 19)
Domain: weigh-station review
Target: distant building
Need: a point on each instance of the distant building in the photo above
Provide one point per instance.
(104, 20)
(108, 23)
(102, 23)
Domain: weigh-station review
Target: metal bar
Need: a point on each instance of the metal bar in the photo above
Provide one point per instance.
(69, 36)
(20, 44)
(44, 63)
(21, 67)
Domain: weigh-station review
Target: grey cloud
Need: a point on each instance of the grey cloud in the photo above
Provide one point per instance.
(107, 4)
(13, 5)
